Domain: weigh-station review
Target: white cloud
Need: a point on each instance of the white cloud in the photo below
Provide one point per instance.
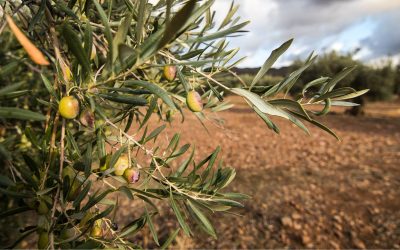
(315, 24)
(320, 25)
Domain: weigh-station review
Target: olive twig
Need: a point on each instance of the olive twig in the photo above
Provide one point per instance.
(197, 71)
(194, 195)
(56, 197)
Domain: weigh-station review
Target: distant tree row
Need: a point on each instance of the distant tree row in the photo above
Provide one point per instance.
(383, 81)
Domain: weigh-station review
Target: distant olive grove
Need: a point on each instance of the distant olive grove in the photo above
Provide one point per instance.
(383, 81)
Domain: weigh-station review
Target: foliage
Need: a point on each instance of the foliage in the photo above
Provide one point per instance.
(110, 57)
(381, 81)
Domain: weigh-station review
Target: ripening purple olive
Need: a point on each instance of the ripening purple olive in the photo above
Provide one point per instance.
(114, 226)
(87, 118)
(132, 175)
(170, 72)
(193, 101)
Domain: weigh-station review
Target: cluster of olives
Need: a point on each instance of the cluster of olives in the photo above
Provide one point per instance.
(122, 168)
(96, 231)
(193, 98)
(69, 108)
(69, 105)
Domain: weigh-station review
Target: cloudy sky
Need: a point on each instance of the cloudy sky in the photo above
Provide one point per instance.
(320, 25)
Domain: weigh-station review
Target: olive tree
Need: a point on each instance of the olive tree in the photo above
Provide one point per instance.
(80, 81)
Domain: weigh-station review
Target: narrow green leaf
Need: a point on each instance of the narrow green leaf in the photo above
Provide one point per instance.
(178, 215)
(173, 143)
(203, 219)
(326, 108)
(316, 123)
(267, 121)
(346, 91)
(16, 194)
(140, 20)
(107, 32)
(267, 108)
(21, 238)
(289, 104)
(94, 200)
(101, 147)
(213, 158)
(134, 226)
(121, 34)
(10, 88)
(152, 229)
(49, 87)
(36, 18)
(87, 160)
(337, 78)
(126, 99)
(126, 191)
(154, 133)
(20, 114)
(88, 40)
(351, 96)
(14, 94)
(75, 46)
(14, 211)
(178, 22)
(82, 195)
(5, 181)
(9, 69)
(170, 239)
(184, 165)
(237, 196)
(61, 5)
(289, 81)
(220, 34)
(72, 143)
(103, 214)
(313, 83)
(343, 104)
(228, 18)
(257, 101)
(153, 88)
(45, 191)
(152, 106)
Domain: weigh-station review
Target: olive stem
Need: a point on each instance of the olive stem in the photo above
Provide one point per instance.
(56, 197)
(199, 72)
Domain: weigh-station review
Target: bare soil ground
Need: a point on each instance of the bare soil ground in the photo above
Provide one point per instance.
(307, 191)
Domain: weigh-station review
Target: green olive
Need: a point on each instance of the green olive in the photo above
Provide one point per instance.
(69, 107)
(104, 162)
(43, 240)
(85, 219)
(42, 208)
(97, 230)
(93, 53)
(121, 165)
(193, 101)
(68, 233)
(75, 183)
